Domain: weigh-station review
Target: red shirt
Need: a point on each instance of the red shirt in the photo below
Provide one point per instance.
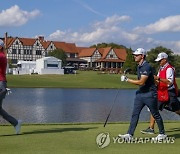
(3, 65)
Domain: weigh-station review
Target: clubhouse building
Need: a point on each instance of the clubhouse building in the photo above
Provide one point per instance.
(31, 49)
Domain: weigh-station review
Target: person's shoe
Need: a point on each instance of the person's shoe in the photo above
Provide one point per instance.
(18, 127)
(159, 137)
(148, 131)
(127, 137)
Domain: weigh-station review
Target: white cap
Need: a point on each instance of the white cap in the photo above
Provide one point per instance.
(1, 43)
(161, 55)
(139, 51)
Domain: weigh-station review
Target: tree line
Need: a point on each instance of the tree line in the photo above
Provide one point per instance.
(173, 58)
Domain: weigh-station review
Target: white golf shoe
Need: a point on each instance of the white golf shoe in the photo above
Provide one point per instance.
(127, 137)
(159, 137)
(18, 127)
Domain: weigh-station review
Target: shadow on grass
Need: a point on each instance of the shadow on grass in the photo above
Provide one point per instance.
(54, 130)
(173, 130)
(176, 134)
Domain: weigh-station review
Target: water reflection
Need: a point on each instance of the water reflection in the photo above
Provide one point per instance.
(55, 105)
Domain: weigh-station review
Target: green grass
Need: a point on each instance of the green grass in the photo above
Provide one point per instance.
(84, 79)
(81, 139)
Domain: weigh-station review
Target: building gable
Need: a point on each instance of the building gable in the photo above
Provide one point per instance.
(38, 44)
(17, 42)
(51, 46)
(14, 46)
(105, 51)
(111, 55)
(96, 55)
(46, 45)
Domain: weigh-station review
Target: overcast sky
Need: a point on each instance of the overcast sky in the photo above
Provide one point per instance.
(133, 23)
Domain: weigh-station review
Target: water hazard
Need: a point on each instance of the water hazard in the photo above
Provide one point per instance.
(56, 105)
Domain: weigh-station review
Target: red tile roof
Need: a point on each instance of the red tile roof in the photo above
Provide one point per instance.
(71, 48)
(60, 45)
(45, 44)
(28, 41)
(101, 50)
(67, 47)
(87, 52)
(105, 52)
(81, 48)
(10, 41)
(121, 53)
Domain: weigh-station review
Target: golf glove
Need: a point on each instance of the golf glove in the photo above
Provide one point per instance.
(8, 91)
(124, 78)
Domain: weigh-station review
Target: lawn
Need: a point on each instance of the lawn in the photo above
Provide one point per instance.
(81, 139)
(83, 79)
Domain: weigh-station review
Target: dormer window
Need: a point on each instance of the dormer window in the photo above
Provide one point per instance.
(37, 44)
(17, 42)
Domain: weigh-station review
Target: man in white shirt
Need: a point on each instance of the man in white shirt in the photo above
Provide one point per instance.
(167, 90)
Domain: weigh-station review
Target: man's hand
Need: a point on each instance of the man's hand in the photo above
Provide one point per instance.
(8, 91)
(124, 78)
(156, 77)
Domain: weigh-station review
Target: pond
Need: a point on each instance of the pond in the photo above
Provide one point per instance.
(56, 105)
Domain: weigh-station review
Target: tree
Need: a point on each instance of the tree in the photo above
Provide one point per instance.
(104, 45)
(152, 55)
(177, 64)
(130, 63)
(60, 54)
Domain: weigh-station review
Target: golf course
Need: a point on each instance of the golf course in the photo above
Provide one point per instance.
(80, 138)
(83, 79)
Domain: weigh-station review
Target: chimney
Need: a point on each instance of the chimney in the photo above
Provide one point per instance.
(41, 38)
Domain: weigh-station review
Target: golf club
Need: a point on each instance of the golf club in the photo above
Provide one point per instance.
(125, 72)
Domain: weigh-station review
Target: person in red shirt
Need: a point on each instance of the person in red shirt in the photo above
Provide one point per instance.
(3, 90)
(167, 90)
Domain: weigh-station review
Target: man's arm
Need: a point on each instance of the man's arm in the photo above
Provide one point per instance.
(139, 82)
(158, 79)
(169, 77)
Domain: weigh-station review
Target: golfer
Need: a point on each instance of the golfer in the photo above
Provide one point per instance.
(145, 95)
(167, 90)
(3, 91)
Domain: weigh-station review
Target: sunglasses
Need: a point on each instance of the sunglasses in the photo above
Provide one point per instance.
(137, 55)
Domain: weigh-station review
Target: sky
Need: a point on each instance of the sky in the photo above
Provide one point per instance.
(132, 23)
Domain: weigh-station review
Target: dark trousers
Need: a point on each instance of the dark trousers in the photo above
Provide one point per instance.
(150, 100)
(3, 113)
